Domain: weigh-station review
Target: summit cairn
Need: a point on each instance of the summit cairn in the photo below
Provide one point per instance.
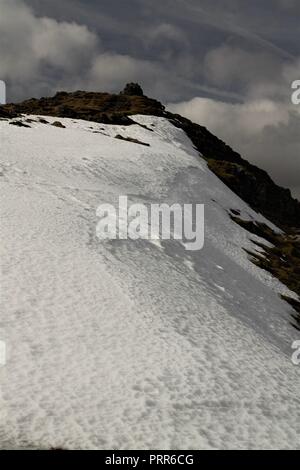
(132, 89)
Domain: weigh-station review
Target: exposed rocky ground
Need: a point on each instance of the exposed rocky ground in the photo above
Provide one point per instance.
(97, 107)
(281, 258)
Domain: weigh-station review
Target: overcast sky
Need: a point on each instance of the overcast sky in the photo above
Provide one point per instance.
(227, 64)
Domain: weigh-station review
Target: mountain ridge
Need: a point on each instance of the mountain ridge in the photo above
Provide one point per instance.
(136, 343)
(248, 181)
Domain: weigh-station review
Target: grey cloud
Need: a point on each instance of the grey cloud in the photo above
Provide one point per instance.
(232, 66)
(35, 51)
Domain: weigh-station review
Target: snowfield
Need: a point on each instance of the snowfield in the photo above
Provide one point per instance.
(133, 344)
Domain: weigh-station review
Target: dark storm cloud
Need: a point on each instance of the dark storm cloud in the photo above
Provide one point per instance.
(177, 34)
(228, 64)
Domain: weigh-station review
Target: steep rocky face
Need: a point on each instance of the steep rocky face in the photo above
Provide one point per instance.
(280, 257)
(7, 113)
(252, 184)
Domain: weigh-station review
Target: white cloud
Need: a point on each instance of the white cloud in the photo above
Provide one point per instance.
(114, 70)
(44, 55)
(110, 72)
(29, 43)
(31, 48)
(62, 44)
(247, 119)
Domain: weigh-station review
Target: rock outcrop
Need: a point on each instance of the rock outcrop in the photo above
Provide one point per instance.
(132, 89)
(98, 107)
(251, 183)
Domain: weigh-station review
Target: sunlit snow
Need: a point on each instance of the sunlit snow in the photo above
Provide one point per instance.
(133, 344)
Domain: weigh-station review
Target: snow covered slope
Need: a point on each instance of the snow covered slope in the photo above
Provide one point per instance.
(133, 344)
